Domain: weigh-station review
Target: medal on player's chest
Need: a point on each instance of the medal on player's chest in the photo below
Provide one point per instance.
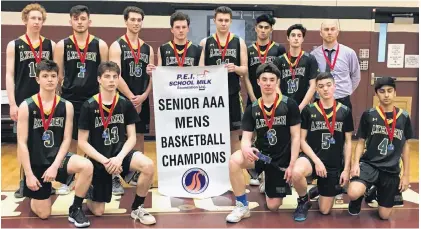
(292, 67)
(38, 57)
(263, 59)
(269, 121)
(46, 123)
(223, 51)
(105, 122)
(390, 131)
(138, 69)
(82, 56)
(136, 57)
(180, 60)
(331, 128)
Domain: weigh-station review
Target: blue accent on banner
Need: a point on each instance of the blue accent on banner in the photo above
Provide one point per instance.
(382, 43)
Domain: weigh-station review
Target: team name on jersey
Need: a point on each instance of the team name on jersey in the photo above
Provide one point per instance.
(300, 71)
(217, 52)
(117, 118)
(129, 55)
(57, 121)
(73, 55)
(25, 55)
(256, 60)
(380, 129)
(172, 60)
(321, 125)
(278, 121)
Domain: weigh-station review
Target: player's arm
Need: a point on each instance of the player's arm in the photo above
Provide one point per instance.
(59, 59)
(159, 56)
(248, 125)
(309, 95)
(277, 63)
(249, 88)
(114, 56)
(355, 71)
(53, 47)
(202, 56)
(103, 50)
(404, 183)
(362, 134)
(294, 123)
(151, 61)
(348, 128)
(10, 80)
(130, 142)
(242, 69)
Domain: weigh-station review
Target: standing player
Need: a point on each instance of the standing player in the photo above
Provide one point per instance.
(108, 139)
(132, 55)
(325, 143)
(383, 135)
(78, 57)
(298, 68)
(44, 135)
(22, 56)
(225, 48)
(276, 120)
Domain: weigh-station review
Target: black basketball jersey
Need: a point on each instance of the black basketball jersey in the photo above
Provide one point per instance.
(306, 70)
(213, 56)
(372, 128)
(134, 74)
(79, 85)
(275, 50)
(42, 153)
(277, 144)
(168, 57)
(318, 134)
(25, 66)
(90, 119)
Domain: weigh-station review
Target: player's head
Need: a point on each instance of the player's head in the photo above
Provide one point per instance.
(268, 77)
(133, 17)
(295, 35)
(108, 75)
(33, 16)
(79, 18)
(47, 75)
(223, 18)
(385, 89)
(180, 23)
(325, 85)
(264, 26)
(329, 30)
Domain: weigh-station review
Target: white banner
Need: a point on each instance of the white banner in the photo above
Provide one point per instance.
(192, 130)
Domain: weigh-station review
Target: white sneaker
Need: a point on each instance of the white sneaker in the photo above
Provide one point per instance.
(240, 212)
(254, 182)
(63, 190)
(262, 184)
(143, 216)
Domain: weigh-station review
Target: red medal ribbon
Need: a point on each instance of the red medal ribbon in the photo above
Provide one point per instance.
(263, 60)
(331, 128)
(39, 56)
(46, 124)
(390, 131)
(105, 122)
(291, 69)
(180, 61)
(332, 66)
(269, 122)
(82, 57)
(135, 57)
(226, 45)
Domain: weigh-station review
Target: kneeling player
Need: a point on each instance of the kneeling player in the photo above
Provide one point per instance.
(383, 135)
(326, 133)
(44, 136)
(276, 120)
(108, 139)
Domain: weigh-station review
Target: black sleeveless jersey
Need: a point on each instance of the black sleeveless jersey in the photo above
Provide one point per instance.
(306, 70)
(213, 56)
(134, 74)
(277, 144)
(318, 134)
(25, 66)
(90, 119)
(42, 153)
(168, 57)
(372, 128)
(275, 50)
(79, 85)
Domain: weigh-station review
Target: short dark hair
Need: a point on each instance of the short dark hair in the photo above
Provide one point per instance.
(324, 75)
(77, 10)
(223, 10)
(299, 27)
(179, 16)
(46, 65)
(133, 9)
(266, 18)
(384, 81)
(268, 67)
(108, 66)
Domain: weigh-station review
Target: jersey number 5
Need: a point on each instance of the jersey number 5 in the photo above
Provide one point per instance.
(325, 141)
(111, 139)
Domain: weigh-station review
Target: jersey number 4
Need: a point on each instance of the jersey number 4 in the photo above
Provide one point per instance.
(383, 146)
(111, 139)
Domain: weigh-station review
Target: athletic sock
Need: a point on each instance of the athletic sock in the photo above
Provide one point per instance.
(138, 200)
(77, 202)
(242, 199)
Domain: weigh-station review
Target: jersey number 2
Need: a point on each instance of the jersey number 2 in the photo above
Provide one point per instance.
(111, 139)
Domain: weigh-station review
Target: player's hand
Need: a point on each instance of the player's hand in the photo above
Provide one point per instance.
(288, 174)
(149, 69)
(250, 154)
(115, 164)
(344, 178)
(320, 169)
(404, 184)
(50, 174)
(230, 67)
(33, 183)
(14, 112)
(355, 170)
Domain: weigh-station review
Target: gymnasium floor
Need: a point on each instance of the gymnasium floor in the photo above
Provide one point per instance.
(194, 213)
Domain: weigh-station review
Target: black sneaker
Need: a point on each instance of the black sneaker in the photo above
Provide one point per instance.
(371, 194)
(313, 192)
(78, 218)
(19, 193)
(354, 206)
(301, 212)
